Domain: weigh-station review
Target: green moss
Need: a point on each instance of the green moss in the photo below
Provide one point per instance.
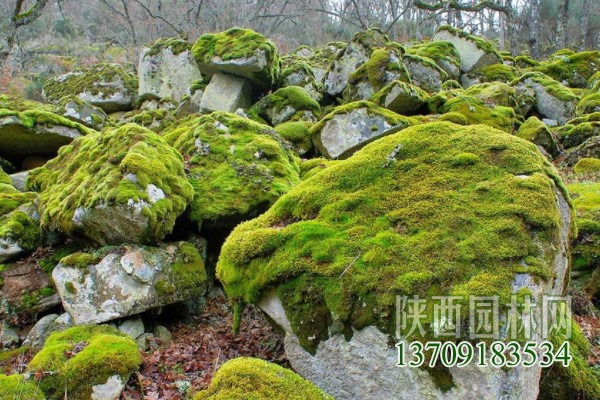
(435, 209)
(438, 51)
(237, 43)
(31, 299)
(74, 360)
(279, 103)
(498, 93)
(297, 133)
(537, 132)
(575, 69)
(553, 87)
(586, 248)
(186, 275)
(493, 73)
(594, 82)
(313, 166)
(177, 45)
(237, 166)
(587, 166)
(408, 99)
(115, 167)
(523, 61)
(481, 44)
(454, 117)
(571, 136)
(427, 62)
(89, 80)
(19, 226)
(16, 387)
(255, 379)
(381, 63)
(589, 104)
(451, 84)
(18, 104)
(80, 260)
(156, 120)
(476, 111)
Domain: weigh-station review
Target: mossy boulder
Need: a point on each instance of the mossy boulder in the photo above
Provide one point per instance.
(108, 86)
(298, 134)
(574, 135)
(594, 83)
(537, 132)
(474, 52)
(489, 73)
(80, 360)
(237, 167)
(256, 379)
(329, 258)
(476, 111)
(574, 69)
(443, 53)
(290, 103)
(525, 62)
(587, 166)
(16, 387)
(588, 105)
(402, 98)
(590, 148)
(497, 93)
(298, 71)
(424, 72)
(351, 126)
(75, 109)
(357, 51)
(167, 68)
(383, 66)
(240, 52)
(122, 185)
(116, 282)
(552, 99)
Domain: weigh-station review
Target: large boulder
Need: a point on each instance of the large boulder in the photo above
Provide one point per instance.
(227, 93)
(474, 52)
(240, 52)
(251, 378)
(574, 70)
(444, 54)
(490, 73)
(298, 71)
(118, 282)
(167, 68)
(401, 98)
(75, 109)
(108, 86)
(237, 167)
(122, 185)
(290, 103)
(537, 132)
(424, 73)
(87, 362)
(351, 126)
(351, 57)
(477, 111)
(434, 210)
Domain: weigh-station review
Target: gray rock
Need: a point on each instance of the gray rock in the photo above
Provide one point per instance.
(19, 179)
(471, 56)
(166, 74)
(546, 103)
(144, 341)
(83, 112)
(9, 337)
(163, 334)
(424, 73)
(226, 93)
(128, 281)
(41, 330)
(133, 327)
(111, 390)
(64, 321)
(402, 98)
(191, 105)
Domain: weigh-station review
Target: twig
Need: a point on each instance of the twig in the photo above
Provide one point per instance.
(351, 264)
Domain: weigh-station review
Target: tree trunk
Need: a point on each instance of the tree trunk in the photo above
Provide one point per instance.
(534, 30)
(561, 29)
(502, 26)
(130, 23)
(585, 16)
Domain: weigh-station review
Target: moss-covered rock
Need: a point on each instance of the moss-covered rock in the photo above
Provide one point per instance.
(15, 387)
(298, 134)
(80, 111)
(383, 66)
(474, 52)
(313, 166)
(477, 111)
(237, 167)
(251, 378)
(590, 148)
(108, 86)
(298, 71)
(290, 103)
(587, 166)
(351, 126)
(78, 359)
(497, 93)
(537, 132)
(436, 209)
(240, 52)
(424, 72)
(401, 98)
(444, 54)
(588, 105)
(116, 282)
(489, 73)
(571, 136)
(122, 185)
(525, 62)
(572, 69)
(594, 83)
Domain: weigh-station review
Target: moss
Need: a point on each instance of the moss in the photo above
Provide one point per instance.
(236, 166)
(16, 221)
(276, 104)
(586, 248)
(31, 299)
(80, 260)
(553, 87)
(186, 275)
(571, 136)
(481, 44)
(537, 132)
(17, 387)
(589, 104)
(493, 73)
(438, 51)
(454, 117)
(177, 45)
(451, 84)
(156, 120)
(436, 102)
(594, 82)
(90, 80)
(382, 63)
(476, 111)
(18, 104)
(587, 166)
(78, 358)
(523, 61)
(255, 379)
(297, 133)
(498, 93)
(575, 69)
(427, 62)
(235, 44)
(313, 166)
(410, 214)
(408, 99)
(115, 167)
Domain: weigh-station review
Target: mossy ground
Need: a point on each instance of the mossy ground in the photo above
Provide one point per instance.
(17, 387)
(236, 166)
(74, 360)
(113, 167)
(435, 209)
(255, 379)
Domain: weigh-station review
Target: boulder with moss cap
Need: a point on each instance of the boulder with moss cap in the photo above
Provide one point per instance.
(477, 111)
(290, 103)
(298, 133)
(86, 362)
(496, 93)
(167, 68)
(489, 73)
(83, 112)
(351, 126)
(240, 52)
(356, 52)
(474, 52)
(588, 105)
(298, 71)
(573, 70)
(537, 132)
(444, 54)
(113, 283)
(424, 73)
(108, 86)
(401, 98)
(252, 378)
(323, 262)
(122, 185)
(237, 167)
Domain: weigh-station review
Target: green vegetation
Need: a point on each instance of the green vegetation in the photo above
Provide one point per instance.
(575, 69)
(297, 133)
(185, 277)
(276, 106)
(439, 51)
(16, 387)
(481, 44)
(493, 73)
(553, 87)
(587, 166)
(176, 44)
(477, 111)
(74, 360)
(537, 132)
(589, 104)
(251, 378)
(383, 61)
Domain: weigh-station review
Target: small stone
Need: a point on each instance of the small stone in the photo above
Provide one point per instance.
(163, 334)
(133, 327)
(9, 337)
(40, 331)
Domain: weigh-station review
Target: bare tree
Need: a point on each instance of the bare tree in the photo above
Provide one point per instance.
(585, 17)
(561, 29)
(20, 16)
